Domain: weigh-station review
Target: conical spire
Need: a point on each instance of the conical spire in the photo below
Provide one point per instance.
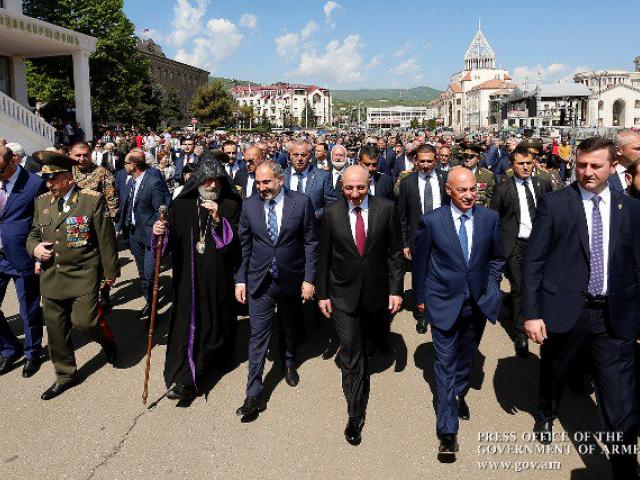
(479, 54)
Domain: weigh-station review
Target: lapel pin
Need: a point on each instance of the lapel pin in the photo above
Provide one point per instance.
(619, 206)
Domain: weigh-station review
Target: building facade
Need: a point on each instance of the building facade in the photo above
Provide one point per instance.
(22, 38)
(283, 104)
(167, 73)
(615, 97)
(396, 117)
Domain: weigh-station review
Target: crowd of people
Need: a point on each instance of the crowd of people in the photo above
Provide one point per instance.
(302, 227)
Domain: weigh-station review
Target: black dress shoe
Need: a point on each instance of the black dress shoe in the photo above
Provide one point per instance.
(57, 389)
(31, 366)
(543, 432)
(448, 447)
(251, 406)
(331, 349)
(463, 409)
(421, 327)
(181, 392)
(521, 345)
(111, 351)
(353, 432)
(6, 363)
(291, 376)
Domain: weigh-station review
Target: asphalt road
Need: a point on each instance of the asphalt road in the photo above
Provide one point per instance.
(101, 430)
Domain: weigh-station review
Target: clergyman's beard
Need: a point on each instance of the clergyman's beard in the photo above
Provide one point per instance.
(206, 194)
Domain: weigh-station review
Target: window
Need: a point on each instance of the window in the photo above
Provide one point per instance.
(636, 121)
(637, 103)
(600, 105)
(5, 76)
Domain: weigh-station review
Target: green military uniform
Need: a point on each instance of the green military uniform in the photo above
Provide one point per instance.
(100, 180)
(84, 249)
(403, 174)
(535, 146)
(486, 186)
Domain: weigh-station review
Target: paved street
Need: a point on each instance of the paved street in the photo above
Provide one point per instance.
(101, 430)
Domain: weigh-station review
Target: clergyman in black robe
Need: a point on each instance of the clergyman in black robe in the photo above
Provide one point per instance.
(202, 236)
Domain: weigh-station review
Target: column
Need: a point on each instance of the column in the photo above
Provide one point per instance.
(19, 81)
(82, 91)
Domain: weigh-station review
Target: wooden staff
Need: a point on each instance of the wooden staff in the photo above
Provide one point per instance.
(154, 305)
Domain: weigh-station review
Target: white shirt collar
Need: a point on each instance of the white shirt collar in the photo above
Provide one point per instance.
(138, 179)
(364, 205)
(620, 168)
(605, 195)
(457, 213)
(426, 175)
(67, 195)
(521, 181)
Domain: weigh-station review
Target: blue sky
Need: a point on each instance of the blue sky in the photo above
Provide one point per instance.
(387, 44)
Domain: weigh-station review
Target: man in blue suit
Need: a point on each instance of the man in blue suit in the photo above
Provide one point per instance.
(18, 190)
(457, 268)
(279, 239)
(580, 285)
(140, 207)
(187, 155)
(305, 178)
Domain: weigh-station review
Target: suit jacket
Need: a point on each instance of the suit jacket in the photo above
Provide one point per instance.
(616, 184)
(398, 166)
(383, 186)
(152, 193)
(349, 280)
(119, 164)
(319, 188)
(295, 250)
(410, 206)
(555, 270)
(16, 220)
(443, 280)
(240, 180)
(505, 201)
(178, 161)
(31, 166)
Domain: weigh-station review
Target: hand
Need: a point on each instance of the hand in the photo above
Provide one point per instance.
(421, 307)
(325, 307)
(38, 268)
(213, 209)
(395, 302)
(407, 253)
(308, 291)
(536, 330)
(160, 227)
(241, 293)
(110, 282)
(43, 251)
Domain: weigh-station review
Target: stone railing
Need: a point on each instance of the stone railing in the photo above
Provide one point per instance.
(24, 116)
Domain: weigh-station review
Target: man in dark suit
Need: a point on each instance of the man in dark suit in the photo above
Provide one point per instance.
(187, 155)
(381, 185)
(22, 159)
(359, 281)
(110, 159)
(401, 162)
(245, 178)
(305, 178)
(144, 195)
(580, 286)
(627, 144)
(338, 164)
(444, 159)
(457, 268)
(233, 165)
(279, 239)
(18, 190)
(515, 200)
(420, 193)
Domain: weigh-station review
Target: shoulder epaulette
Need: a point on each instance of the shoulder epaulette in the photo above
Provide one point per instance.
(88, 191)
(45, 194)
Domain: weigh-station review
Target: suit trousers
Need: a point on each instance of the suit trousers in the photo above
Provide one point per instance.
(455, 351)
(614, 374)
(262, 313)
(352, 356)
(513, 273)
(60, 316)
(28, 292)
(145, 264)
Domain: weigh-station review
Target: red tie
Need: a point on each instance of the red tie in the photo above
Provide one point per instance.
(361, 236)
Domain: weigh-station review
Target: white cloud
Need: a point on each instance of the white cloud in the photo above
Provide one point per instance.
(407, 67)
(330, 7)
(187, 21)
(341, 63)
(555, 72)
(248, 20)
(402, 51)
(220, 40)
(374, 62)
(308, 29)
(287, 44)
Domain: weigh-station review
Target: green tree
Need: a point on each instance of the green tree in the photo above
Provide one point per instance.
(213, 105)
(118, 72)
(148, 112)
(172, 107)
(247, 115)
(308, 117)
(414, 123)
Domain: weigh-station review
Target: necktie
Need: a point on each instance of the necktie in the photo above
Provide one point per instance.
(361, 235)
(428, 195)
(300, 187)
(462, 236)
(60, 204)
(128, 211)
(3, 196)
(272, 230)
(531, 204)
(596, 277)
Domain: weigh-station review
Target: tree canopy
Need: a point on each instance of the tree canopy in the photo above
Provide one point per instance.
(213, 105)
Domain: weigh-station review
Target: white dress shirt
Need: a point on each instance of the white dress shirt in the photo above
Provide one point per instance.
(435, 189)
(353, 217)
(525, 219)
(372, 187)
(232, 169)
(605, 214)
(620, 171)
(293, 184)
(136, 188)
(335, 174)
(250, 182)
(278, 207)
(456, 213)
(408, 164)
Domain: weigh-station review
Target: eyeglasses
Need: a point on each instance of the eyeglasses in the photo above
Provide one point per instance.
(470, 155)
(297, 154)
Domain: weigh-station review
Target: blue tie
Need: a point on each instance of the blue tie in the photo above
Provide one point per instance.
(272, 230)
(596, 277)
(299, 187)
(462, 236)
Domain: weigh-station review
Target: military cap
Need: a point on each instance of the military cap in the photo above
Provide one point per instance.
(53, 163)
(534, 145)
(470, 148)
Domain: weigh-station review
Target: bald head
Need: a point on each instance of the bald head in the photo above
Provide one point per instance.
(461, 187)
(627, 144)
(253, 156)
(355, 184)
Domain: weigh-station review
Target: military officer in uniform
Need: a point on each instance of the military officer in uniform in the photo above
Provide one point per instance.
(485, 179)
(74, 239)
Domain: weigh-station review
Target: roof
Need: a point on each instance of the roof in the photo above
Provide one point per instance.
(479, 47)
(466, 78)
(455, 87)
(494, 84)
